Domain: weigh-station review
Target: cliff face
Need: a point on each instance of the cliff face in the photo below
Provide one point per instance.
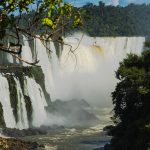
(16, 102)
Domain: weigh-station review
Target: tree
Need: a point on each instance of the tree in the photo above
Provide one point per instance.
(131, 100)
(48, 18)
(101, 8)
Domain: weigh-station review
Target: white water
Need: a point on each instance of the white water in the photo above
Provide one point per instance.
(89, 73)
(45, 64)
(22, 112)
(38, 102)
(10, 58)
(26, 52)
(5, 101)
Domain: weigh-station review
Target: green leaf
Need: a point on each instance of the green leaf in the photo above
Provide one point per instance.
(48, 22)
(143, 90)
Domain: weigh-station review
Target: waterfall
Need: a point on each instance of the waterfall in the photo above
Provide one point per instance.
(81, 73)
(34, 91)
(10, 58)
(45, 64)
(38, 102)
(22, 112)
(89, 71)
(5, 101)
(26, 52)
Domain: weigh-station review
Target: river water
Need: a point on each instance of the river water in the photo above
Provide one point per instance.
(73, 139)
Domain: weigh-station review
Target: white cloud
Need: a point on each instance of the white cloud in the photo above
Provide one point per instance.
(111, 2)
(115, 2)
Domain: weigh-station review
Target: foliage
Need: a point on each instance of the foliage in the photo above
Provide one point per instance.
(48, 12)
(131, 100)
(147, 43)
(132, 20)
(47, 18)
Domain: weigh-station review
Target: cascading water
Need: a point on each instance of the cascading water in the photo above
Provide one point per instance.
(87, 72)
(45, 64)
(10, 57)
(38, 102)
(26, 52)
(5, 101)
(34, 91)
(22, 112)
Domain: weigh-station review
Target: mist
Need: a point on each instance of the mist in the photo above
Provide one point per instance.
(89, 71)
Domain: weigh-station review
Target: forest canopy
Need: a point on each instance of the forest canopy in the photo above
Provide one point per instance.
(102, 20)
(131, 100)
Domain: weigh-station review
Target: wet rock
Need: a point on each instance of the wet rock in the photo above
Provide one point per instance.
(75, 112)
(108, 128)
(21, 133)
(107, 147)
(34, 145)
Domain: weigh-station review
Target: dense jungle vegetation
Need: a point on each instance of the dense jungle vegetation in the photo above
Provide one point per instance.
(132, 20)
(131, 100)
(102, 20)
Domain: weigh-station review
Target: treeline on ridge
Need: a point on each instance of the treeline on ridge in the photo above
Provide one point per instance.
(102, 20)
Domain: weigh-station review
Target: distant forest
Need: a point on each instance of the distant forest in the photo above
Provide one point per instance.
(101, 20)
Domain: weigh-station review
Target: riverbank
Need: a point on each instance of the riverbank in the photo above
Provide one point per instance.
(92, 138)
(18, 144)
(72, 139)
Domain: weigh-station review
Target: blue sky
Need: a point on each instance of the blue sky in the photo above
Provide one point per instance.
(108, 2)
